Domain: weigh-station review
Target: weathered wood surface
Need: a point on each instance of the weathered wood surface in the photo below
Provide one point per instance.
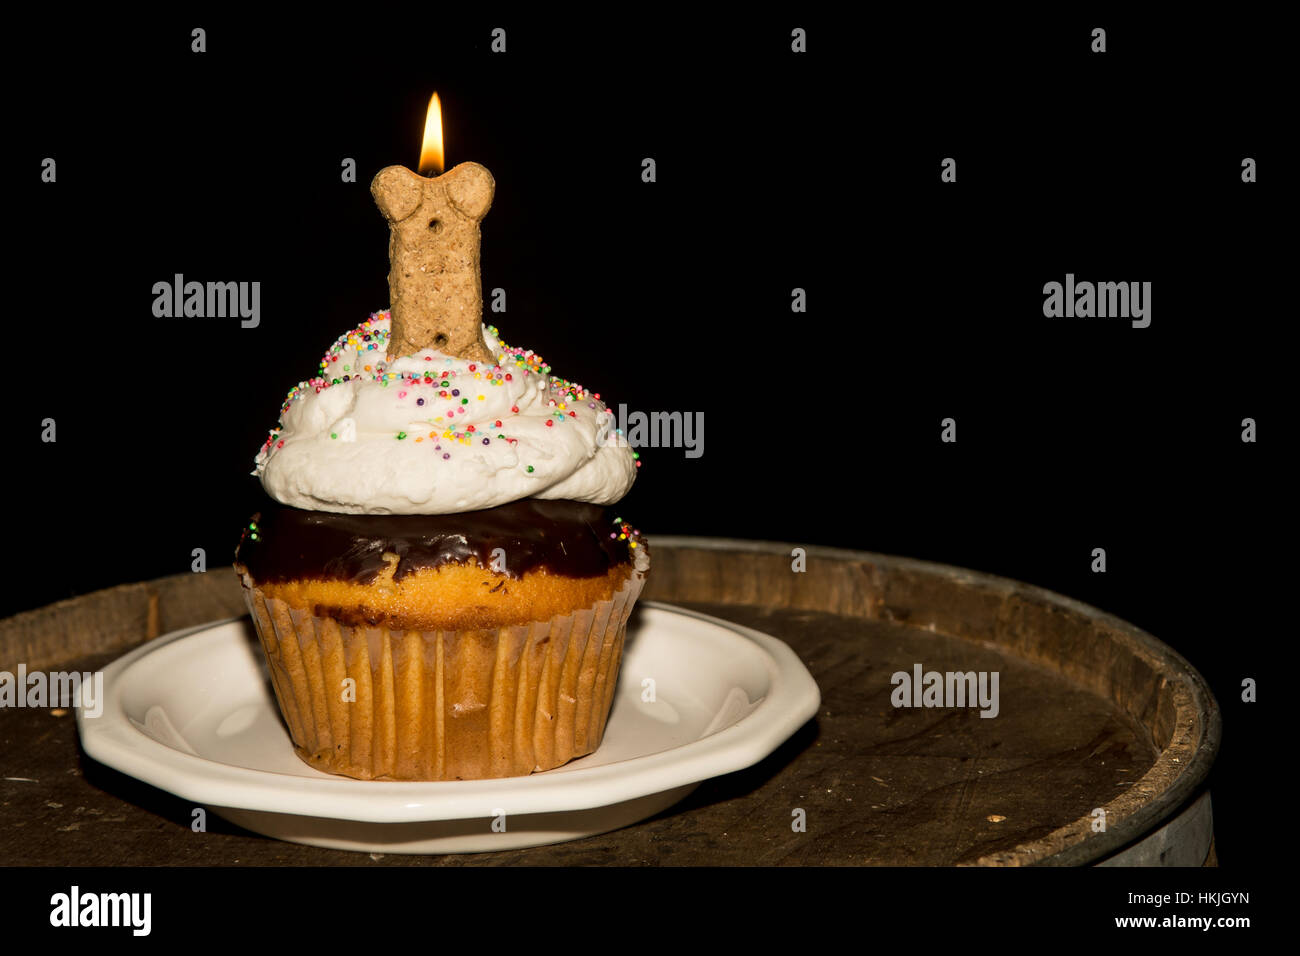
(1093, 714)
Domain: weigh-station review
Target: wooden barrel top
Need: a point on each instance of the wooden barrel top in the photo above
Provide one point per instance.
(1094, 713)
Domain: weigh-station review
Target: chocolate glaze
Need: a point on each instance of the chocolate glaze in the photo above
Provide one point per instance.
(569, 538)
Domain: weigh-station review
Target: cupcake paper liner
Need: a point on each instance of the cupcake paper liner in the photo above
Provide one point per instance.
(444, 705)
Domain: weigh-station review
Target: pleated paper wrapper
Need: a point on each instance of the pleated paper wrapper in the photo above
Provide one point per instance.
(444, 705)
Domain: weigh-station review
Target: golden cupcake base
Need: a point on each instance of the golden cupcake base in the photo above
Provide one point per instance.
(384, 704)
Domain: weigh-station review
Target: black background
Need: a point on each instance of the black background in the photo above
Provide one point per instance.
(775, 171)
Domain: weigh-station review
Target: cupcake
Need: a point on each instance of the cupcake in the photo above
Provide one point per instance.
(437, 579)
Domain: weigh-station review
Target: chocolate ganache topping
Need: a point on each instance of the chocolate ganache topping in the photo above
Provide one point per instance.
(568, 538)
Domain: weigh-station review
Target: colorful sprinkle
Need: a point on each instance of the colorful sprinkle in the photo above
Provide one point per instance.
(346, 360)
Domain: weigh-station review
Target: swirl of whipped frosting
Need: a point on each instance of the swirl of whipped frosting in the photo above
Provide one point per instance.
(432, 434)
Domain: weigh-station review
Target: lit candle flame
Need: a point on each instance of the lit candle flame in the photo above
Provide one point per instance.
(431, 162)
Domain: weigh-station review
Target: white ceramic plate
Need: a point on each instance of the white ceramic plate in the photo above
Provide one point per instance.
(193, 713)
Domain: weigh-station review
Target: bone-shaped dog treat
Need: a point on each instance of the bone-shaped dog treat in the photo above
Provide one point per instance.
(434, 285)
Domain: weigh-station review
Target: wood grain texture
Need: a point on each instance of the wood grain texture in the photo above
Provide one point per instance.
(1094, 713)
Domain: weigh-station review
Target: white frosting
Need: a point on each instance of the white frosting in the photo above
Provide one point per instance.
(337, 447)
